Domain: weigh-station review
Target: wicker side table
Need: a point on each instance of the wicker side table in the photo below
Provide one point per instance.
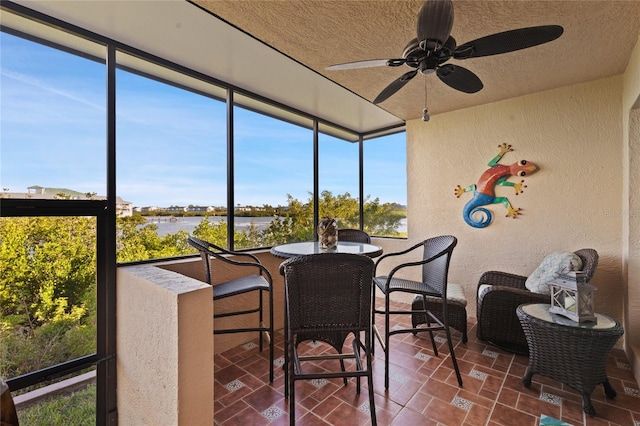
(574, 354)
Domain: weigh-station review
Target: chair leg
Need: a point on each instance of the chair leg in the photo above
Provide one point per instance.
(269, 334)
(386, 340)
(292, 396)
(260, 320)
(287, 356)
(373, 322)
(344, 379)
(447, 330)
(453, 354)
(372, 405)
(428, 320)
(272, 337)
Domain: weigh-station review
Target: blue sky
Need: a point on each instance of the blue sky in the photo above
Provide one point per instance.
(171, 143)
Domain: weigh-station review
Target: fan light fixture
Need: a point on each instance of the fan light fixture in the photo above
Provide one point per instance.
(435, 21)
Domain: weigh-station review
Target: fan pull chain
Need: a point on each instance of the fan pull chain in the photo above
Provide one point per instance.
(425, 111)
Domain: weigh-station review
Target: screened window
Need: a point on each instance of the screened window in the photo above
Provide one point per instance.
(339, 180)
(273, 180)
(385, 185)
(171, 162)
(53, 163)
(52, 109)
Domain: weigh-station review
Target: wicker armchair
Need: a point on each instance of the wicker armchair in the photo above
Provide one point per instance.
(354, 235)
(498, 296)
(327, 298)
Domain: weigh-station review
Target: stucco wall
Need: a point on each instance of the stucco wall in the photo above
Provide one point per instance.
(632, 304)
(631, 204)
(573, 201)
(164, 348)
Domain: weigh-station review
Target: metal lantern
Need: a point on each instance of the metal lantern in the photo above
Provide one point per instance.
(572, 297)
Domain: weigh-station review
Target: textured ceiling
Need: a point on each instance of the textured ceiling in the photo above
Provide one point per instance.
(597, 42)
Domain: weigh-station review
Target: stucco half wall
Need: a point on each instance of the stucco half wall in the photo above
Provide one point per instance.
(164, 348)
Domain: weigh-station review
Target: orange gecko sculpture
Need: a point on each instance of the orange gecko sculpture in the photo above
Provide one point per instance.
(484, 190)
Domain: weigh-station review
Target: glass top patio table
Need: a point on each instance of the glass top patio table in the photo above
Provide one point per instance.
(313, 247)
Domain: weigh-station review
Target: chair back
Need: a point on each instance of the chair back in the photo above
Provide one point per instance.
(589, 261)
(353, 235)
(328, 292)
(202, 247)
(435, 272)
(208, 250)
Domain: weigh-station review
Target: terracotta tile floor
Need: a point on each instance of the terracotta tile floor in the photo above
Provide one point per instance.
(423, 389)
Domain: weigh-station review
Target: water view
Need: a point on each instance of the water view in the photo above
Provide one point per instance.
(170, 225)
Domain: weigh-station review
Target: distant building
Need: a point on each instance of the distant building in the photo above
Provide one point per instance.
(249, 209)
(200, 209)
(176, 209)
(147, 209)
(35, 189)
(123, 208)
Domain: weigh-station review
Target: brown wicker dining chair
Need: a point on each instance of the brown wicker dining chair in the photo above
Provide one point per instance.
(8, 413)
(257, 279)
(435, 270)
(353, 235)
(327, 298)
(498, 296)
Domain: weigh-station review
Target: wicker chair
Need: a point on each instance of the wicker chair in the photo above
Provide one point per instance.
(498, 296)
(435, 269)
(327, 297)
(354, 235)
(258, 280)
(8, 414)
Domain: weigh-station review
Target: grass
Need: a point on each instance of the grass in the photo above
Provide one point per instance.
(75, 409)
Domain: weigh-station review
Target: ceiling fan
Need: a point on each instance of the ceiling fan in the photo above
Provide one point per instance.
(433, 47)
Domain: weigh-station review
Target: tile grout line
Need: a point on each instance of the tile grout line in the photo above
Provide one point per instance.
(502, 385)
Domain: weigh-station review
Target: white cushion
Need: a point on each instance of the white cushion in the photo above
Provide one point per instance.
(550, 268)
(455, 292)
(482, 288)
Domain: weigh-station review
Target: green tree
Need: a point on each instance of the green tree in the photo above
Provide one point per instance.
(47, 291)
(137, 241)
(296, 220)
(216, 233)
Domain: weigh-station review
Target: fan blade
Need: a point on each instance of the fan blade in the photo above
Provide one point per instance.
(395, 85)
(364, 64)
(435, 20)
(459, 78)
(508, 41)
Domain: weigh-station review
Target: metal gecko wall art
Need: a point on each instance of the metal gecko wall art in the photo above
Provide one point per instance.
(474, 212)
